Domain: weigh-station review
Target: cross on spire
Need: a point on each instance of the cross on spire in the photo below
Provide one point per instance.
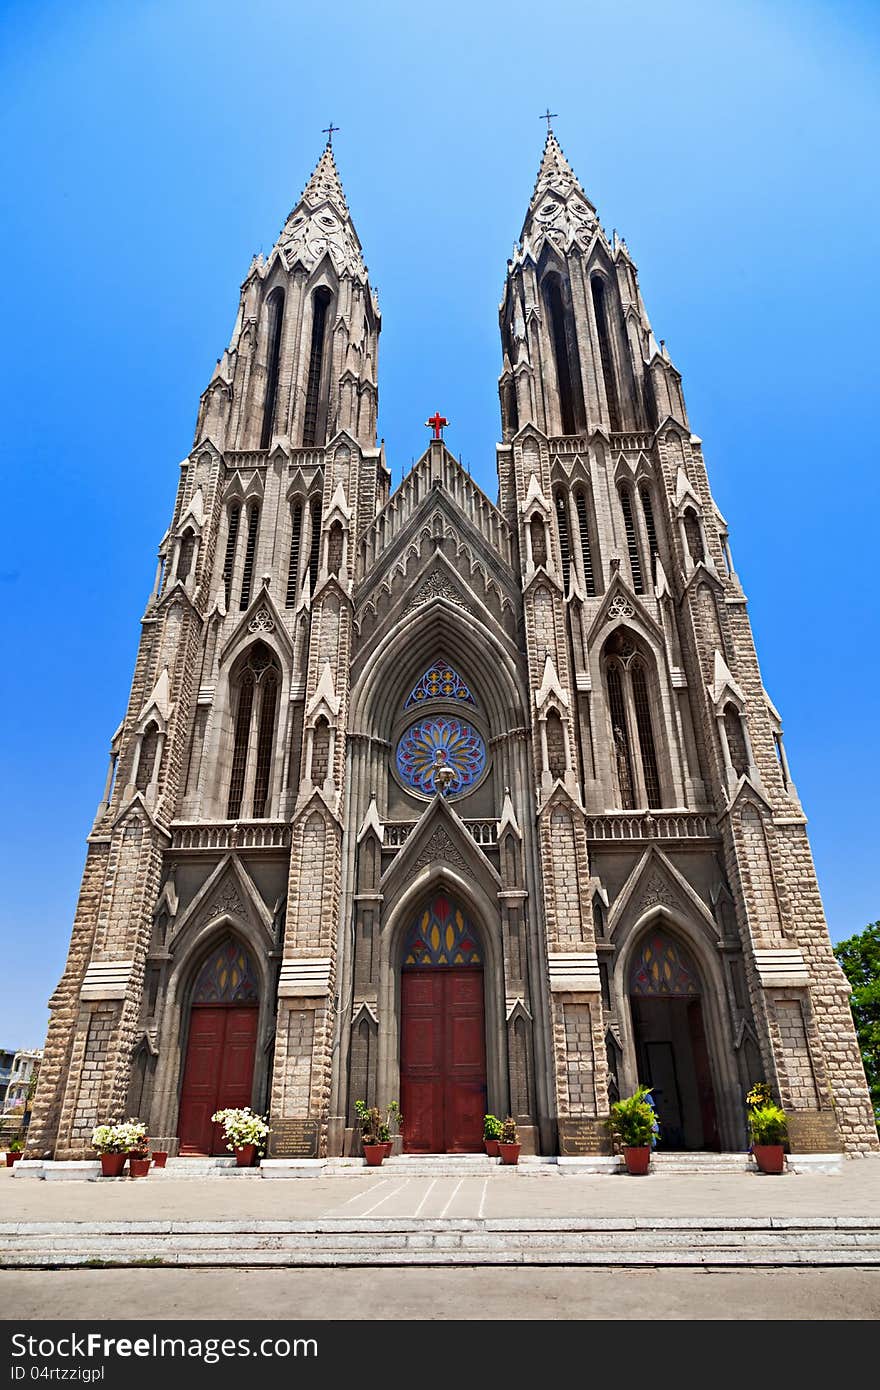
(437, 423)
(548, 116)
(329, 131)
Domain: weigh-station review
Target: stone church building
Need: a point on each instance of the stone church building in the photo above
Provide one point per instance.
(479, 805)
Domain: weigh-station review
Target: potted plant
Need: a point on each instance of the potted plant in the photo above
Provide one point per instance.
(492, 1128)
(372, 1127)
(633, 1122)
(14, 1150)
(392, 1115)
(244, 1131)
(768, 1128)
(132, 1136)
(159, 1156)
(108, 1141)
(508, 1141)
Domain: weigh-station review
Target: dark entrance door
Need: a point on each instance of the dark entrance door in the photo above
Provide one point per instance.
(218, 1074)
(671, 1052)
(442, 1060)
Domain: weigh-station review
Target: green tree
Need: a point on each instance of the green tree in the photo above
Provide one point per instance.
(860, 958)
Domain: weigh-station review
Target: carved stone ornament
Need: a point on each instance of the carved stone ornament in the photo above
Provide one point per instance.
(262, 621)
(620, 607)
(438, 847)
(657, 891)
(227, 900)
(436, 586)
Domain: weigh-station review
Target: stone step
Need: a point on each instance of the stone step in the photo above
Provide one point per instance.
(606, 1242)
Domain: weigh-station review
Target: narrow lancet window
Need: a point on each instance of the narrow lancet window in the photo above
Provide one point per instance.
(293, 566)
(564, 539)
(586, 548)
(320, 301)
(568, 366)
(231, 542)
(646, 733)
(185, 555)
(632, 544)
(240, 746)
(314, 544)
(265, 737)
(247, 576)
(275, 317)
(539, 541)
(620, 735)
(650, 528)
(599, 306)
(147, 759)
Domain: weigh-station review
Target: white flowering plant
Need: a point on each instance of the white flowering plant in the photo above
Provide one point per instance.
(123, 1137)
(242, 1127)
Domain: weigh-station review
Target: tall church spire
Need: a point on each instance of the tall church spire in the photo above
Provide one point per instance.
(559, 207)
(301, 364)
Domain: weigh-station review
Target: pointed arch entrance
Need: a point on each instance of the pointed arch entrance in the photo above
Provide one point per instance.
(221, 1046)
(442, 1032)
(672, 1056)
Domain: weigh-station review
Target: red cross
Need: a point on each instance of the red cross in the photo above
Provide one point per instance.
(437, 423)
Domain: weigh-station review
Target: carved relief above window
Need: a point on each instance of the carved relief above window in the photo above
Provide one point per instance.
(440, 682)
(441, 755)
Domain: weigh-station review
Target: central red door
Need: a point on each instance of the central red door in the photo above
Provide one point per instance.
(218, 1074)
(442, 1060)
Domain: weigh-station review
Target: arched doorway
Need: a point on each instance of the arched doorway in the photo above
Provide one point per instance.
(442, 1032)
(219, 1069)
(666, 1000)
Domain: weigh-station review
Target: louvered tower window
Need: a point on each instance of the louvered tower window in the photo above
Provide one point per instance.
(599, 306)
(275, 314)
(250, 550)
(564, 539)
(320, 301)
(265, 737)
(632, 544)
(231, 542)
(620, 735)
(648, 512)
(645, 731)
(240, 747)
(568, 366)
(586, 551)
(314, 543)
(293, 567)
(694, 535)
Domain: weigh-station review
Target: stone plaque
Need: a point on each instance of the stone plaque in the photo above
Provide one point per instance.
(813, 1132)
(292, 1138)
(583, 1136)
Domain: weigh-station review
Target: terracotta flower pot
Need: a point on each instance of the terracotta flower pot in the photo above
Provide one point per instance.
(138, 1167)
(387, 1145)
(244, 1157)
(160, 1158)
(374, 1153)
(509, 1152)
(491, 1146)
(770, 1158)
(637, 1159)
(12, 1158)
(112, 1165)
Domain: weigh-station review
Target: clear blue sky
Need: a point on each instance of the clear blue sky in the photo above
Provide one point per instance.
(150, 148)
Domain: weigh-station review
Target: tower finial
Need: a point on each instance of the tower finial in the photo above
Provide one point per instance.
(549, 116)
(329, 131)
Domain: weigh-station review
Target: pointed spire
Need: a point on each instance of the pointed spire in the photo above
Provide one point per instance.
(320, 223)
(559, 207)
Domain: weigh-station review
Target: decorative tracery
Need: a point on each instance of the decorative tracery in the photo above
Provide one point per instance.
(441, 754)
(663, 969)
(227, 977)
(441, 935)
(441, 681)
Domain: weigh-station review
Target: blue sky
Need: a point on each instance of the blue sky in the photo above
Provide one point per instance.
(150, 148)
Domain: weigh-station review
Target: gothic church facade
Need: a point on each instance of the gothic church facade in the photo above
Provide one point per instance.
(477, 805)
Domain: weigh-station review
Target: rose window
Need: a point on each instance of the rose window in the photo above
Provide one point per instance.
(441, 755)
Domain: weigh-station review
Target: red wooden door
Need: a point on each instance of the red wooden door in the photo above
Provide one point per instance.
(442, 1060)
(218, 1073)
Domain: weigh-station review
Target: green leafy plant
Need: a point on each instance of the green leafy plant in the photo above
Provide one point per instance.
(242, 1127)
(492, 1127)
(509, 1133)
(633, 1121)
(15, 1146)
(767, 1124)
(760, 1094)
(859, 958)
(374, 1129)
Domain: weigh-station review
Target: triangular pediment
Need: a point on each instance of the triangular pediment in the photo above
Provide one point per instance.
(724, 685)
(137, 810)
(228, 892)
(621, 606)
(263, 619)
(655, 885)
(158, 704)
(440, 836)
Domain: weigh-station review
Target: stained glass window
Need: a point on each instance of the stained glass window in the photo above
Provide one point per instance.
(440, 682)
(441, 935)
(441, 755)
(227, 977)
(662, 968)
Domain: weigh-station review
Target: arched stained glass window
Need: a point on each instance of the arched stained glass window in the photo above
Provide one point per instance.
(441, 755)
(440, 682)
(227, 977)
(661, 968)
(441, 935)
